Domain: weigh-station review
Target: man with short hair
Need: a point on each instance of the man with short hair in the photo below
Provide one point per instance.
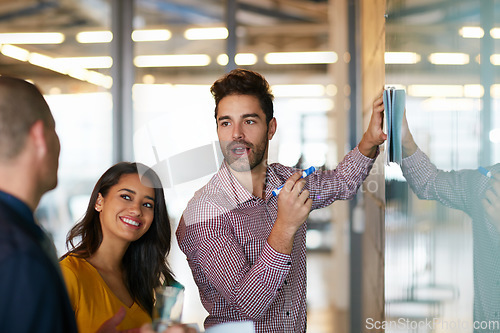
(34, 297)
(246, 248)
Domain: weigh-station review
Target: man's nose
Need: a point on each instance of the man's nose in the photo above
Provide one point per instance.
(237, 132)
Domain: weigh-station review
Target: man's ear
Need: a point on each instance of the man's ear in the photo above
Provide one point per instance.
(98, 203)
(37, 136)
(271, 128)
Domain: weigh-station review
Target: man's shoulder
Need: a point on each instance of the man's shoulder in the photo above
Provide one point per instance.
(211, 193)
(280, 168)
(17, 275)
(281, 171)
(13, 239)
(20, 252)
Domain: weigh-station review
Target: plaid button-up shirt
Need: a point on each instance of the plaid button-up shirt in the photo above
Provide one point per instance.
(465, 190)
(224, 232)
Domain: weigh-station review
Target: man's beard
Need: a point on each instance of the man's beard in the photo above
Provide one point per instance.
(248, 161)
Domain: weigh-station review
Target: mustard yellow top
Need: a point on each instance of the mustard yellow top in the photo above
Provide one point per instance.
(93, 301)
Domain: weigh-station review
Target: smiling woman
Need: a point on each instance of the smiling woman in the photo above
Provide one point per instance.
(124, 239)
(126, 213)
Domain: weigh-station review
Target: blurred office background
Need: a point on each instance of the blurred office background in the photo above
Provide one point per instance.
(129, 80)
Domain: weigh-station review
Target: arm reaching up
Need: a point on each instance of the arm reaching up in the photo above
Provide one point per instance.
(374, 135)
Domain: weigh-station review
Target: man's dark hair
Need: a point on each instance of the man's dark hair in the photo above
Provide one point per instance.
(244, 82)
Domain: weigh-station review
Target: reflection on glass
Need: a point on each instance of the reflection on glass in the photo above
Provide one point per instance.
(442, 236)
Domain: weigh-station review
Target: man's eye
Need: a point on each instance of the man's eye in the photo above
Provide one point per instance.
(224, 124)
(250, 121)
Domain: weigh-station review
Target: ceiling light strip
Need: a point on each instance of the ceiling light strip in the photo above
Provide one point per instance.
(50, 63)
(403, 58)
(449, 58)
(172, 60)
(206, 33)
(87, 37)
(152, 35)
(471, 32)
(32, 38)
(86, 62)
(291, 58)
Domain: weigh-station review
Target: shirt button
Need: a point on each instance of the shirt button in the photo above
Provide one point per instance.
(286, 282)
(287, 313)
(289, 263)
(279, 289)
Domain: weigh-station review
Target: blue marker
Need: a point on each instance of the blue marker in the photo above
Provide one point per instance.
(305, 173)
(485, 172)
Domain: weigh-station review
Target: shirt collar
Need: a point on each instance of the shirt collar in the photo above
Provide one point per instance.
(241, 195)
(236, 191)
(273, 181)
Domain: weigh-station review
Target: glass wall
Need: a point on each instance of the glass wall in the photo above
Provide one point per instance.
(440, 243)
(174, 124)
(179, 49)
(65, 50)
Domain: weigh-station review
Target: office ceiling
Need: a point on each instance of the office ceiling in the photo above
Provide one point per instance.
(423, 26)
(432, 26)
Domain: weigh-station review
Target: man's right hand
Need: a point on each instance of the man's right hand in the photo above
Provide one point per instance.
(294, 206)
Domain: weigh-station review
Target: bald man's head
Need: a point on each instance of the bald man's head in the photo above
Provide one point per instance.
(21, 105)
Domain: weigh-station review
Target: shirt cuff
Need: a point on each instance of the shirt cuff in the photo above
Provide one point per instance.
(418, 168)
(359, 156)
(416, 158)
(275, 267)
(274, 259)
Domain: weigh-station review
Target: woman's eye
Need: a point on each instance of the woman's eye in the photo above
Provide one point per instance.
(125, 196)
(148, 205)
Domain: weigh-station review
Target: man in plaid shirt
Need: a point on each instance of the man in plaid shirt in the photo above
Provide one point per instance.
(479, 197)
(246, 248)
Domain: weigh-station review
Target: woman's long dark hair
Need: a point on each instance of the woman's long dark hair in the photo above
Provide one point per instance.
(144, 261)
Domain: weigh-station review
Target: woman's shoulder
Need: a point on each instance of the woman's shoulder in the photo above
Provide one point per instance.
(74, 263)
